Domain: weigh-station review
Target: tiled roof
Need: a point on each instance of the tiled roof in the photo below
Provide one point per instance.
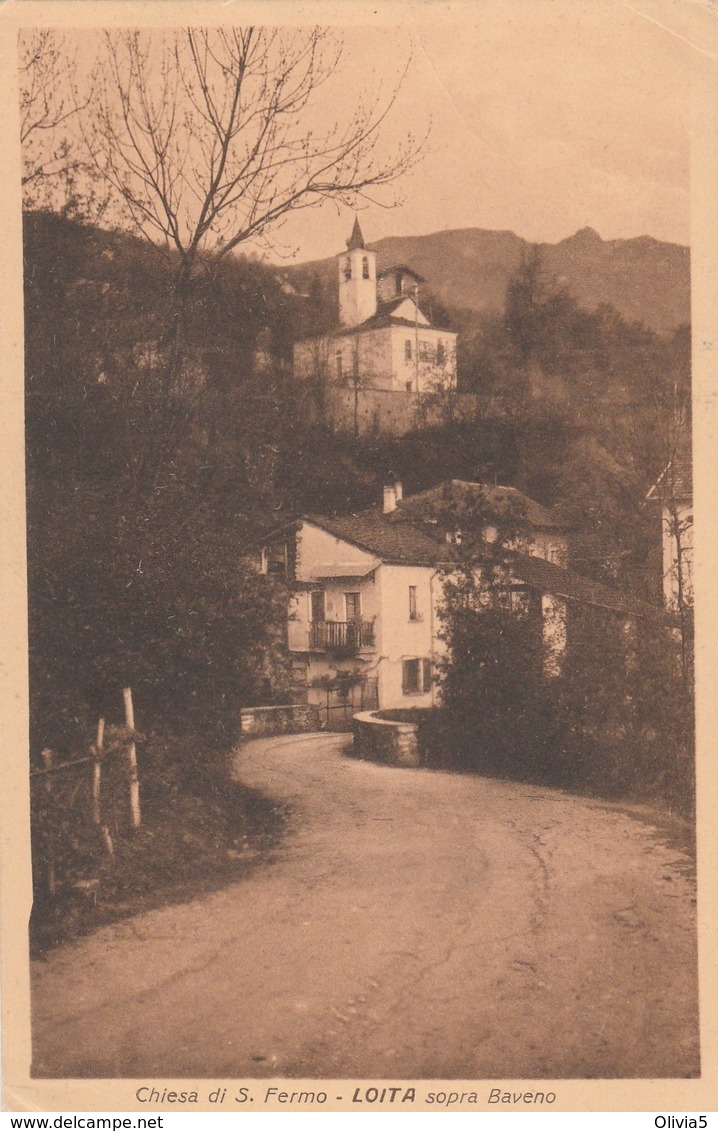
(405, 270)
(497, 500)
(400, 544)
(676, 479)
(378, 321)
(404, 544)
(391, 304)
(384, 317)
(549, 578)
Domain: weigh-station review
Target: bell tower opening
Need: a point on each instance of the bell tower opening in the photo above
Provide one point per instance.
(357, 280)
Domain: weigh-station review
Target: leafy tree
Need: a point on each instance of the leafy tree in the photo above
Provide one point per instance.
(493, 666)
(614, 717)
(136, 587)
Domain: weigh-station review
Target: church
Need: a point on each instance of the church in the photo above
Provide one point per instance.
(384, 341)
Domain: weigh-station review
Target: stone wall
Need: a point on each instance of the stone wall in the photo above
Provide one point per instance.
(379, 740)
(292, 718)
(390, 413)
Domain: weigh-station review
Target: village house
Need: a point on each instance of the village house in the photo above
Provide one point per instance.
(673, 490)
(384, 341)
(364, 628)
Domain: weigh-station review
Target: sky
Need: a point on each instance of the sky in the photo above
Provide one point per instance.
(545, 117)
(539, 117)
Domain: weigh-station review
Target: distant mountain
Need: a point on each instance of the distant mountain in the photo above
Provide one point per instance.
(645, 279)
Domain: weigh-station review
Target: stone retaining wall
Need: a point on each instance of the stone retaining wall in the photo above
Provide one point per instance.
(391, 412)
(292, 718)
(380, 740)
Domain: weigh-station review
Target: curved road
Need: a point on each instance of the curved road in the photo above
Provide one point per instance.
(413, 924)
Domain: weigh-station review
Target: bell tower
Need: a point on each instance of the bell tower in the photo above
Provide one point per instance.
(357, 280)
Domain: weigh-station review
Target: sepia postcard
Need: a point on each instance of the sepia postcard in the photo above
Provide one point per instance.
(359, 393)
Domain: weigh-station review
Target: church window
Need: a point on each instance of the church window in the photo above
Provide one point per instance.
(440, 353)
(425, 351)
(407, 350)
(348, 267)
(365, 267)
(397, 283)
(340, 367)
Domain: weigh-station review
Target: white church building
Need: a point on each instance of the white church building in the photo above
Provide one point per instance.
(384, 340)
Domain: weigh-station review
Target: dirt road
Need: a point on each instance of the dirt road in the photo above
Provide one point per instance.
(412, 924)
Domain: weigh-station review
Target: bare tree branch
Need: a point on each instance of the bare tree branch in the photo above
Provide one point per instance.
(51, 164)
(210, 137)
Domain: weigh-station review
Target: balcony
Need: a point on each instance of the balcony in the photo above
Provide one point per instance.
(347, 637)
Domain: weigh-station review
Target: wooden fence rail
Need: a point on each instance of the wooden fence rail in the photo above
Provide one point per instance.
(123, 743)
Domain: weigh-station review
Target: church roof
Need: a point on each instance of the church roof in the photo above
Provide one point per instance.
(401, 268)
(385, 317)
(356, 239)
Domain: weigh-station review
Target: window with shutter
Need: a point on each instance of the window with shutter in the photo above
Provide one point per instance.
(318, 605)
(415, 676)
(410, 677)
(353, 606)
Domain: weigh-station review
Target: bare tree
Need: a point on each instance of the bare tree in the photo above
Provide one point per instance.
(51, 164)
(210, 137)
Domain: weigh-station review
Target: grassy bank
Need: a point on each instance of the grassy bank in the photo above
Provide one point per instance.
(199, 832)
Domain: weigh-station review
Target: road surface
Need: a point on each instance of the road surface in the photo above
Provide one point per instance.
(413, 924)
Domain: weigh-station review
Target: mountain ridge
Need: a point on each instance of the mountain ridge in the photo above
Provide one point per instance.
(646, 279)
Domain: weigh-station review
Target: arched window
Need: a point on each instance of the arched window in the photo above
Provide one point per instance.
(340, 367)
(348, 267)
(440, 353)
(365, 267)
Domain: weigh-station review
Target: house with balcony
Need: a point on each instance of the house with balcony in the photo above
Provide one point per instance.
(363, 626)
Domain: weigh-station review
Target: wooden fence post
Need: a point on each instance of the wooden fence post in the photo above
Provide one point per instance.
(47, 760)
(97, 772)
(96, 781)
(135, 819)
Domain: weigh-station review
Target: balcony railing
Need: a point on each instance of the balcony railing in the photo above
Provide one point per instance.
(340, 635)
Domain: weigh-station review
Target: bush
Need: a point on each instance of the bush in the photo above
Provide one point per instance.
(616, 720)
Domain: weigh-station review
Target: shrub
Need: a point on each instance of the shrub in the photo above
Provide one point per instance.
(615, 720)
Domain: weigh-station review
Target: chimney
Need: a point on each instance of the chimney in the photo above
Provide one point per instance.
(393, 494)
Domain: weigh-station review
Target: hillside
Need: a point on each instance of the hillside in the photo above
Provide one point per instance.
(645, 279)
